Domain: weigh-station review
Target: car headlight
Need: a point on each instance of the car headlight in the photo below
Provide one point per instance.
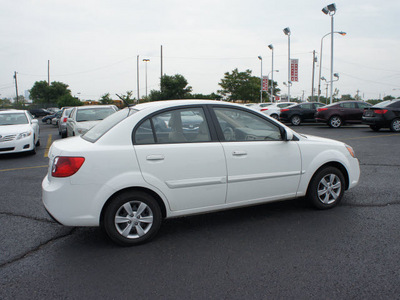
(24, 135)
(351, 151)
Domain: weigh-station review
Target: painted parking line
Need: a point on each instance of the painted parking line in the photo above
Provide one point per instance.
(370, 137)
(49, 140)
(25, 168)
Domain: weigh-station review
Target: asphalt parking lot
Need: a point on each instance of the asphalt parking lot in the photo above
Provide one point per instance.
(281, 250)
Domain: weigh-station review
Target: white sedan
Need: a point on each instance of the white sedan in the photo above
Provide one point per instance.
(146, 163)
(274, 110)
(19, 132)
(82, 118)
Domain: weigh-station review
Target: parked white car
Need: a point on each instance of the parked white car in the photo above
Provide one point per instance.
(19, 132)
(258, 106)
(274, 110)
(82, 118)
(143, 164)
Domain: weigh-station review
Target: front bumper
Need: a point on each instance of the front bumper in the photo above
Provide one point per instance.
(15, 146)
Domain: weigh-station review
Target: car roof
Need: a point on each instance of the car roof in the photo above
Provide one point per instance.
(12, 111)
(172, 103)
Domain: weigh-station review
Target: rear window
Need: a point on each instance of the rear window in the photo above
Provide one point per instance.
(101, 128)
(388, 103)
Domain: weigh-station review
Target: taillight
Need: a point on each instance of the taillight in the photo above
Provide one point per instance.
(322, 109)
(65, 166)
(264, 109)
(284, 109)
(380, 111)
(65, 119)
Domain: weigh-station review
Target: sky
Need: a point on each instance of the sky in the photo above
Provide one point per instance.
(93, 45)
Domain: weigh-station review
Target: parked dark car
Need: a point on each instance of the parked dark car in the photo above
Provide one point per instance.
(39, 112)
(303, 112)
(383, 115)
(47, 119)
(343, 112)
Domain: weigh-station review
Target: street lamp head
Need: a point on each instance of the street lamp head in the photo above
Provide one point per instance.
(271, 47)
(330, 9)
(146, 59)
(323, 78)
(259, 57)
(342, 33)
(286, 31)
(336, 75)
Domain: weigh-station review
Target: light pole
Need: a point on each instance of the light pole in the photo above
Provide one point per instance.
(146, 60)
(272, 71)
(331, 10)
(272, 84)
(287, 32)
(320, 60)
(261, 77)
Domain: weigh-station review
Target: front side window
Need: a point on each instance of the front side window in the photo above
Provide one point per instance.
(238, 125)
(174, 126)
(306, 106)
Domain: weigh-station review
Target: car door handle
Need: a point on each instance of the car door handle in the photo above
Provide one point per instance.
(155, 157)
(239, 153)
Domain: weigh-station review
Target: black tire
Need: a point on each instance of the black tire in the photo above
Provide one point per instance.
(33, 151)
(275, 116)
(326, 188)
(48, 121)
(38, 143)
(395, 125)
(295, 120)
(132, 228)
(335, 122)
(374, 127)
(63, 135)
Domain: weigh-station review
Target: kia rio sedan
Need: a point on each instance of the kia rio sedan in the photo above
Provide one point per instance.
(127, 173)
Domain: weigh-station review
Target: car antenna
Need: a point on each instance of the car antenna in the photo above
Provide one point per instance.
(123, 100)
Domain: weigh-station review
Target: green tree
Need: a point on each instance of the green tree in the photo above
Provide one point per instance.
(43, 93)
(68, 100)
(346, 97)
(388, 97)
(242, 86)
(172, 87)
(106, 99)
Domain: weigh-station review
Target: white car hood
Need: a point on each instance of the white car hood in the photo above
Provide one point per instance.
(14, 129)
(314, 138)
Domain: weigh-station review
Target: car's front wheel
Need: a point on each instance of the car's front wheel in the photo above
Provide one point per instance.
(326, 188)
(132, 218)
(395, 125)
(335, 122)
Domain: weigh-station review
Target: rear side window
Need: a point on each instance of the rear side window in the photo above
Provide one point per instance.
(348, 105)
(307, 106)
(174, 126)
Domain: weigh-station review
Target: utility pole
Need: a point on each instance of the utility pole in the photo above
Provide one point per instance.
(313, 73)
(161, 68)
(16, 84)
(48, 72)
(137, 67)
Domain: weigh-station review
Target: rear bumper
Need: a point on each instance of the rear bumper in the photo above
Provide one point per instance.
(375, 121)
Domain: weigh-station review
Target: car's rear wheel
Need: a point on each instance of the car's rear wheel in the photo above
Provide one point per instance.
(395, 125)
(48, 121)
(326, 188)
(374, 127)
(295, 120)
(132, 218)
(275, 116)
(335, 122)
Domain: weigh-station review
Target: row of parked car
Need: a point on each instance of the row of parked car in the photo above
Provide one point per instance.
(385, 114)
(75, 121)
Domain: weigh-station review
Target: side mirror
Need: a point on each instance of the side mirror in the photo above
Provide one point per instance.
(287, 135)
(35, 121)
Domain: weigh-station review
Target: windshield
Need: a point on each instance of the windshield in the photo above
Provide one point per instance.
(93, 114)
(101, 128)
(13, 119)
